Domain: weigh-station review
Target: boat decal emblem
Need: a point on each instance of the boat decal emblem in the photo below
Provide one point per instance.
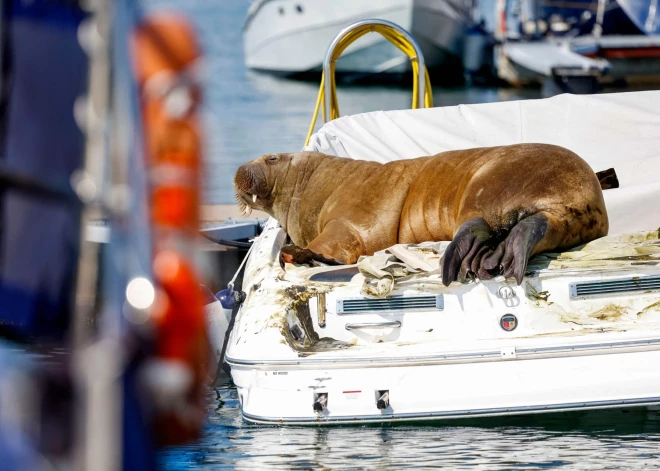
(509, 322)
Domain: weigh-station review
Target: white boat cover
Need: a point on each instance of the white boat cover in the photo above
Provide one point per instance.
(619, 130)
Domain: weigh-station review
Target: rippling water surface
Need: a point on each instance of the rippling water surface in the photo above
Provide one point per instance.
(247, 115)
(622, 440)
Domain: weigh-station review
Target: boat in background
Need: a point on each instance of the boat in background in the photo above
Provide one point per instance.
(289, 37)
(605, 17)
(576, 47)
(535, 19)
(440, 27)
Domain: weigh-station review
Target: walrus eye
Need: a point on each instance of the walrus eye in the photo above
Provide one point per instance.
(272, 159)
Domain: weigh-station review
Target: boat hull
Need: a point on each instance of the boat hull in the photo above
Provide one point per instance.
(458, 389)
(440, 28)
(456, 360)
(294, 42)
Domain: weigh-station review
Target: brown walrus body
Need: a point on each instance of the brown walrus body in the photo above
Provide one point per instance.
(498, 205)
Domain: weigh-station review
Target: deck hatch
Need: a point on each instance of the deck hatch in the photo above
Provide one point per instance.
(392, 304)
(613, 287)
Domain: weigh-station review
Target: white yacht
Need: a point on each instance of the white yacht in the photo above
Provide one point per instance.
(290, 37)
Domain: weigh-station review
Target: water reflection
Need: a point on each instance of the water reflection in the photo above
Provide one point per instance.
(586, 440)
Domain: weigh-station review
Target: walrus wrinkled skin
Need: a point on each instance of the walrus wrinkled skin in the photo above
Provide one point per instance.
(498, 205)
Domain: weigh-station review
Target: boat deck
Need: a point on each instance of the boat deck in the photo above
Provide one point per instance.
(552, 309)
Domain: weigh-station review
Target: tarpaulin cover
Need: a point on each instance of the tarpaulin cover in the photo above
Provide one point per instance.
(619, 130)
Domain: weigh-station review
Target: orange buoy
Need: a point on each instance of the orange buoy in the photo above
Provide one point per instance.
(165, 57)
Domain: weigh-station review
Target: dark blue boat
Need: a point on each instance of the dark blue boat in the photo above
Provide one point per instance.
(644, 15)
(607, 17)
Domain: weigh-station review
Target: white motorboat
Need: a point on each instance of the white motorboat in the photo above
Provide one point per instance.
(290, 37)
(330, 345)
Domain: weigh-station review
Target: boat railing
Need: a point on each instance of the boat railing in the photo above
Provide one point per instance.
(395, 34)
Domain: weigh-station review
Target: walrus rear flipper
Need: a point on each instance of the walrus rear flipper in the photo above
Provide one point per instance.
(473, 249)
(468, 247)
(512, 254)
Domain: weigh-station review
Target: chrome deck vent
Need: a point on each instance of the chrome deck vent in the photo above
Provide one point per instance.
(392, 304)
(614, 287)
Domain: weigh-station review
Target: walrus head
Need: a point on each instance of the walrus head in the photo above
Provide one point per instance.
(258, 182)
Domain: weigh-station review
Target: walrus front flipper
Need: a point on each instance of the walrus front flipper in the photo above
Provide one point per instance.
(337, 244)
(298, 256)
(512, 254)
(340, 241)
(465, 252)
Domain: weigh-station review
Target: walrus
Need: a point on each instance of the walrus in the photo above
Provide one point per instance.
(497, 205)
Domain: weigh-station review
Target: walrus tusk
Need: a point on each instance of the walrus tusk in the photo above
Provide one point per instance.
(254, 198)
(248, 210)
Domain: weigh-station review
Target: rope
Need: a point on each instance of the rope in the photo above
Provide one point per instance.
(399, 41)
(240, 267)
